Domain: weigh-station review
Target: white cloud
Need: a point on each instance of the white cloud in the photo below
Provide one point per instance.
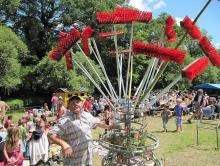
(147, 5)
(159, 4)
(178, 19)
(217, 45)
(140, 4)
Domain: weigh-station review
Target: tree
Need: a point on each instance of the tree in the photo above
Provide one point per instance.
(36, 21)
(49, 75)
(12, 49)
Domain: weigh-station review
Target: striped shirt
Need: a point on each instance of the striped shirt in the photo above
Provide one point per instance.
(77, 133)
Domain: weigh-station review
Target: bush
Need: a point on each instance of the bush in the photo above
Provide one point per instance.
(15, 103)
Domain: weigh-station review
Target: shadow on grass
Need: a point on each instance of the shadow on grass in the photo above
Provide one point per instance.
(161, 131)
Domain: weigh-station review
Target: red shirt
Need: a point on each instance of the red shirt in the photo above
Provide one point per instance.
(7, 123)
(88, 105)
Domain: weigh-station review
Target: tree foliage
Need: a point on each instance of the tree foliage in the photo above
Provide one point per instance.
(36, 21)
(50, 75)
(12, 50)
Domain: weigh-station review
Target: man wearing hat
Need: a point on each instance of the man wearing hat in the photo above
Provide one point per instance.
(73, 133)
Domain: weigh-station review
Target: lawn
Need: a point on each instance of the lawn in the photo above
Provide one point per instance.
(176, 149)
(16, 115)
(180, 149)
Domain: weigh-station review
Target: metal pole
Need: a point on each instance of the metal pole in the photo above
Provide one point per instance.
(117, 63)
(94, 70)
(129, 58)
(217, 137)
(197, 134)
(99, 59)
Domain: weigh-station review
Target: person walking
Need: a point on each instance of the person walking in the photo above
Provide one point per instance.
(178, 110)
(198, 103)
(165, 115)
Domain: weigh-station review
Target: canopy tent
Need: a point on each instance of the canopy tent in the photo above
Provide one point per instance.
(208, 86)
(213, 90)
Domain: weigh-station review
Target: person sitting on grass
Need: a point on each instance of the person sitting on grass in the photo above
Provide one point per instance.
(178, 110)
(165, 115)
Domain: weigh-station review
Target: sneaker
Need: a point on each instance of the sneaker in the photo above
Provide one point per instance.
(189, 121)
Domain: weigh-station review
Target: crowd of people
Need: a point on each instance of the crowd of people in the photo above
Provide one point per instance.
(179, 104)
(31, 136)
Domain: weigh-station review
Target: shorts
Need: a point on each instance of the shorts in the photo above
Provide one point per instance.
(179, 120)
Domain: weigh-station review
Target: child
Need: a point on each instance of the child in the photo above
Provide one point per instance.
(165, 114)
(178, 109)
(8, 122)
(107, 116)
(39, 144)
(13, 148)
(22, 134)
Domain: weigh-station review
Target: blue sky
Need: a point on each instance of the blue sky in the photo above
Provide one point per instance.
(209, 20)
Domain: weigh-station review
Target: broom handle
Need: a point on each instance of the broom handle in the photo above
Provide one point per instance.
(147, 73)
(156, 62)
(141, 87)
(165, 90)
(131, 73)
(117, 62)
(95, 71)
(98, 57)
(102, 70)
(152, 67)
(165, 63)
(150, 74)
(129, 58)
(89, 76)
(122, 81)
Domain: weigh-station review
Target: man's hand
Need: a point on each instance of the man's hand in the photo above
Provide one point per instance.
(66, 148)
(67, 151)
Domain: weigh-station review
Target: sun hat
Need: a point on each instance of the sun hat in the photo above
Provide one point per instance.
(75, 97)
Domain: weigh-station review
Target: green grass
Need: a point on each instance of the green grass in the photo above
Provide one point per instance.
(16, 115)
(176, 149)
(180, 149)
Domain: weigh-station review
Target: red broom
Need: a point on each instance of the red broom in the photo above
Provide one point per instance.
(55, 54)
(62, 35)
(102, 35)
(210, 51)
(191, 28)
(195, 68)
(86, 34)
(151, 50)
(169, 31)
(66, 41)
(69, 64)
(123, 16)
